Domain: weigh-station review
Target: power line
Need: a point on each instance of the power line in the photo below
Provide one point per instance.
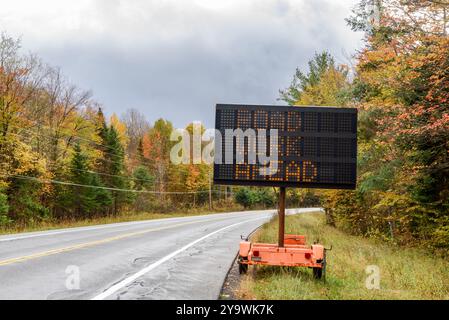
(91, 171)
(102, 159)
(123, 157)
(62, 127)
(111, 175)
(50, 181)
(95, 172)
(76, 137)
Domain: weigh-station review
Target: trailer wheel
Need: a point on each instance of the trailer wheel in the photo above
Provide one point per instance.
(320, 273)
(243, 268)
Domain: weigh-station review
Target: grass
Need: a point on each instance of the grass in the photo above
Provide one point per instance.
(405, 272)
(124, 217)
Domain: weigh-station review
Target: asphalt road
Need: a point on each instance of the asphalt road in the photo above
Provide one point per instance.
(175, 258)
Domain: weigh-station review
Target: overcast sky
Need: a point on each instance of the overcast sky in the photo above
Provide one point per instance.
(177, 59)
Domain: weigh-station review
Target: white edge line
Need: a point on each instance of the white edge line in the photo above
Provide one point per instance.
(6, 238)
(154, 265)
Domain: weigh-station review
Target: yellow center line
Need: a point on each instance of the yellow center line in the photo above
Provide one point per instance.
(94, 243)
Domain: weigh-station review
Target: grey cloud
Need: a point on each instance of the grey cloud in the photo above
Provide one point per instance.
(176, 60)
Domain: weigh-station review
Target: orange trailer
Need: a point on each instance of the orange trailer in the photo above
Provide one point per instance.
(291, 250)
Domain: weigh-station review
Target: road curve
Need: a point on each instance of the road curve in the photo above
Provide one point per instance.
(174, 258)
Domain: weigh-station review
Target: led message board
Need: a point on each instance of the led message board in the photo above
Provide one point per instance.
(307, 147)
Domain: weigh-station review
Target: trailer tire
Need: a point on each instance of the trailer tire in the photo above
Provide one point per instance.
(243, 268)
(320, 273)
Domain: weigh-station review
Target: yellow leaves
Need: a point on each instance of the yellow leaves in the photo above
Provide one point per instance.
(326, 91)
(197, 177)
(28, 161)
(392, 200)
(121, 130)
(192, 178)
(22, 160)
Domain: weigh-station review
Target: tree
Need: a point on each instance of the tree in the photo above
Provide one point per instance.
(156, 148)
(310, 87)
(116, 170)
(121, 129)
(387, 19)
(143, 180)
(4, 207)
(136, 126)
(112, 163)
(85, 201)
(246, 197)
(331, 90)
(250, 197)
(401, 90)
(324, 84)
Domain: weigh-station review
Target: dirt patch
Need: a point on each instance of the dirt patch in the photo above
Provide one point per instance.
(231, 284)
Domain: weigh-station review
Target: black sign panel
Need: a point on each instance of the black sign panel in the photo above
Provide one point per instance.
(316, 147)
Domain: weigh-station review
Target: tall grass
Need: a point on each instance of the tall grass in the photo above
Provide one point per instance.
(405, 272)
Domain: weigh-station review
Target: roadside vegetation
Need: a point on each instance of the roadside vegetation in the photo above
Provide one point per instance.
(405, 272)
(400, 85)
(65, 162)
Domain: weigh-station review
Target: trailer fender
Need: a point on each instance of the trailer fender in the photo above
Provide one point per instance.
(318, 251)
(245, 247)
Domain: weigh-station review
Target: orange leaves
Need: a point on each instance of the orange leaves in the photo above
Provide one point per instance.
(153, 146)
(146, 145)
(192, 181)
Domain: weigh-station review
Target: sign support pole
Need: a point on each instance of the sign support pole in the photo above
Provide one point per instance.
(281, 215)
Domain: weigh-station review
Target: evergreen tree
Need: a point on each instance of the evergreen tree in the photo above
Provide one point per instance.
(143, 179)
(318, 66)
(112, 164)
(116, 169)
(3, 209)
(102, 128)
(85, 200)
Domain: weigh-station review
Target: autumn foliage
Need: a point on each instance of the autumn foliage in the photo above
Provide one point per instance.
(62, 158)
(400, 85)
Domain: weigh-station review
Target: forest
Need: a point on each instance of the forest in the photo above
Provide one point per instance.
(62, 158)
(400, 84)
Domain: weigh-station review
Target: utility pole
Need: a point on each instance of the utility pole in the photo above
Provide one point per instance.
(281, 215)
(210, 191)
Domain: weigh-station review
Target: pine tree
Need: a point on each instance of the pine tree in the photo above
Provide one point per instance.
(143, 179)
(321, 64)
(85, 200)
(112, 164)
(116, 169)
(4, 208)
(102, 128)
